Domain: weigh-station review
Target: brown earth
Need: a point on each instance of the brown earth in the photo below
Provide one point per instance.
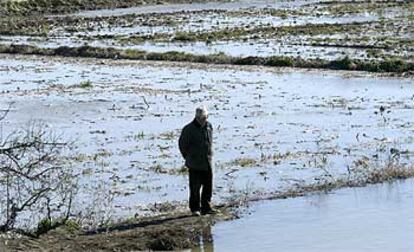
(165, 232)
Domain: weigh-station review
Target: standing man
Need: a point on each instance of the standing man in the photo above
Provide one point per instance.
(195, 144)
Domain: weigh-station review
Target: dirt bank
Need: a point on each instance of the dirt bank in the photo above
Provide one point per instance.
(164, 232)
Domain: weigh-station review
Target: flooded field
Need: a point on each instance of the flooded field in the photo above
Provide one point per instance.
(374, 218)
(306, 29)
(269, 134)
(119, 84)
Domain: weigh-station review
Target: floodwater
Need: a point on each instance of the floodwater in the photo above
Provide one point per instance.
(119, 28)
(374, 218)
(260, 48)
(273, 128)
(208, 21)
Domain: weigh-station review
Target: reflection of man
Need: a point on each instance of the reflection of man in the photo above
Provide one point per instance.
(208, 242)
(196, 147)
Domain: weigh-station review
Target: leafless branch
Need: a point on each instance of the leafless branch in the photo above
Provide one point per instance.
(33, 164)
(6, 111)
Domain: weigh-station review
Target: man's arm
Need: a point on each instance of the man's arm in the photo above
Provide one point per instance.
(210, 138)
(184, 142)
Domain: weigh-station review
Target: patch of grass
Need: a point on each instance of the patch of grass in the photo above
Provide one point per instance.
(85, 84)
(44, 226)
(244, 162)
(170, 135)
(132, 54)
(342, 64)
(80, 158)
(393, 65)
(102, 153)
(176, 171)
(139, 136)
(158, 169)
(72, 226)
(184, 36)
(389, 173)
(280, 61)
(182, 170)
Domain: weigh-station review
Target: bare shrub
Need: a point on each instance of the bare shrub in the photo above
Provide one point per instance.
(36, 179)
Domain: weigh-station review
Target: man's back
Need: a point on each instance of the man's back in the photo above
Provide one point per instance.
(196, 145)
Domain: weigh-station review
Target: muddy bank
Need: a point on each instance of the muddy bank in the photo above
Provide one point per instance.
(164, 232)
(391, 65)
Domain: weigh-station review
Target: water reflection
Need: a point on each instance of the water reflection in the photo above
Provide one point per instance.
(373, 218)
(206, 242)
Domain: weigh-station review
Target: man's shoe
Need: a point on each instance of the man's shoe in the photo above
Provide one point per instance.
(208, 211)
(196, 213)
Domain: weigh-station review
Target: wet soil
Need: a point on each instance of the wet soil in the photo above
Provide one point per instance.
(166, 232)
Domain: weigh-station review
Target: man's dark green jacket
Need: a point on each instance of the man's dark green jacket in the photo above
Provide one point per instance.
(196, 145)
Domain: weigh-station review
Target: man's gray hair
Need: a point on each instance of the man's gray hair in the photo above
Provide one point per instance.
(201, 111)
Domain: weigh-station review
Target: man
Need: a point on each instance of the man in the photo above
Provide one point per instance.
(195, 144)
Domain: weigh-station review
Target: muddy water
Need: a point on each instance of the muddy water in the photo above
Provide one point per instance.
(374, 218)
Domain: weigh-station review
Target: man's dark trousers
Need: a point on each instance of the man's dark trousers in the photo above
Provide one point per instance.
(200, 179)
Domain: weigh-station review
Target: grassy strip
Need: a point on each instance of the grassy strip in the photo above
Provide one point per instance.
(389, 65)
(39, 25)
(252, 33)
